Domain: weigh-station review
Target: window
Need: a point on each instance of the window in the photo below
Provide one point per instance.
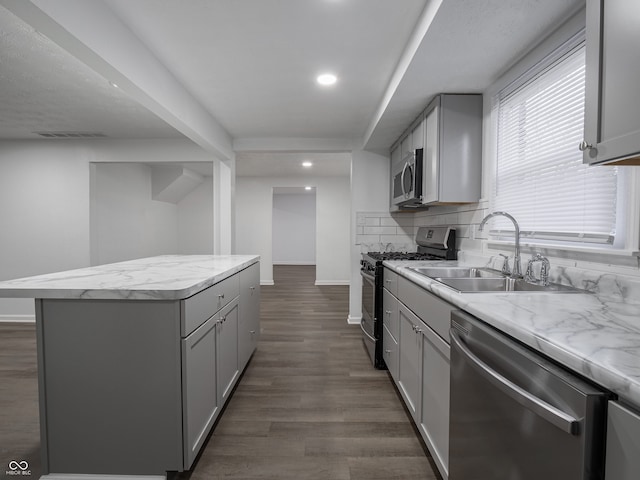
(540, 178)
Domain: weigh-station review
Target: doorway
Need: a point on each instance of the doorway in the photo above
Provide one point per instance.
(294, 226)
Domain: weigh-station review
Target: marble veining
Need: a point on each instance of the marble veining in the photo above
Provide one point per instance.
(595, 334)
(165, 277)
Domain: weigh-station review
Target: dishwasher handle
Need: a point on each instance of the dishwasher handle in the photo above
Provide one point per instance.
(553, 415)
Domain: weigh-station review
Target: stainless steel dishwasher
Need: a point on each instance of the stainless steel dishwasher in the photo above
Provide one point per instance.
(515, 415)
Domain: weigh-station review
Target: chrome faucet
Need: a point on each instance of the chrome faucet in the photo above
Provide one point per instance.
(517, 270)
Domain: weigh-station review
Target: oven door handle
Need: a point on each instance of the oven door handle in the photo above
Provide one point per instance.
(551, 414)
(368, 276)
(373, 339)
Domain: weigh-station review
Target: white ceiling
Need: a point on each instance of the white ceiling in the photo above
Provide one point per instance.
(239, 74)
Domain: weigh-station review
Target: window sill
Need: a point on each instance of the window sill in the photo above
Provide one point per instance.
(615, 256)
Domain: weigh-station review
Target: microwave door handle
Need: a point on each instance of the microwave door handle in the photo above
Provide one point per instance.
(556, 417)
(404, 170)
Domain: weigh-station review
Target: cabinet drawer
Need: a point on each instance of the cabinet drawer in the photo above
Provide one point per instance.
(390, 281)
(390, 313)
(434, 312)
(198, 308)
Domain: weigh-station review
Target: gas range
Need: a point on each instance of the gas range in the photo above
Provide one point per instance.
(434, 243)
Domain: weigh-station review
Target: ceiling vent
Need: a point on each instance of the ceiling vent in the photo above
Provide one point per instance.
(71, 134)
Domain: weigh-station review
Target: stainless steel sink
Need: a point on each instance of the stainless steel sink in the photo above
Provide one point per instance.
(504, 284)
(457, 272)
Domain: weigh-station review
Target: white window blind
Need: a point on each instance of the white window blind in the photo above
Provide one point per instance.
(540, 177)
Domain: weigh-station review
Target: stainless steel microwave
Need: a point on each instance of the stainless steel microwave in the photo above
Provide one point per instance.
(407, 183)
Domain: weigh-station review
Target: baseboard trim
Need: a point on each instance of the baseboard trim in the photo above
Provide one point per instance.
(266, 282)
(17, 319)
(351, 320)
(332, 282)
(294, 263)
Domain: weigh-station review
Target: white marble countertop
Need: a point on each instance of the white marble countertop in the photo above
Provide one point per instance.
(166, 277)
(596, 335)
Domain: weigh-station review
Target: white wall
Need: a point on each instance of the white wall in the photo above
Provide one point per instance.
(126, 222)
(294, 228)
(254, 222)
(45, 202)
(195, 221)
(44, 213)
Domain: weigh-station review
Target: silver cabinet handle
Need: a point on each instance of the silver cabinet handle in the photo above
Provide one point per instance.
(418, 330)
(388, 312)
(584, 146)
(221, 295)
(252, 332)
(387, 352)
(373, 339)
(551, 414)
(388, 280)
(252, 288)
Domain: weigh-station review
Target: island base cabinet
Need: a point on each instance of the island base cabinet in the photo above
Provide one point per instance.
(249, 322)
(200, 391)
(227, 350)
(623, 443)
(108, 372)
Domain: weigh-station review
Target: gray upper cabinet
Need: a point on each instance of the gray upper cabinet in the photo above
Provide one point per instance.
(452, 156)
(612, 123)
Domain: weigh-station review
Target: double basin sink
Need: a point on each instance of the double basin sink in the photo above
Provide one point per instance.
(480, 279)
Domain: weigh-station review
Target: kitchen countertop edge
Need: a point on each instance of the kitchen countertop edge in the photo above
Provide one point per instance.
(164, 277)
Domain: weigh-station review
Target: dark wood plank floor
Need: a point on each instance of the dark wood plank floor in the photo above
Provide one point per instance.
(309, 406)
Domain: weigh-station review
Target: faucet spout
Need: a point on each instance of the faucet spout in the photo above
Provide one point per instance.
(517, 270)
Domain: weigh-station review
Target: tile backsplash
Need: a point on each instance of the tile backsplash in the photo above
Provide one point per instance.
(384, 231)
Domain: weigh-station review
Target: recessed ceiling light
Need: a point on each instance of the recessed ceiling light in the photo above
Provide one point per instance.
(307, 164)
(307, 188)
(326, 79)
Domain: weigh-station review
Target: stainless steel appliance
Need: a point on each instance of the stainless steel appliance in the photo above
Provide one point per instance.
(516, 415)
(434, 243)
(407, 182)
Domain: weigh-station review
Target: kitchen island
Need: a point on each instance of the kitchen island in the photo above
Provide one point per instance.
(136, 359)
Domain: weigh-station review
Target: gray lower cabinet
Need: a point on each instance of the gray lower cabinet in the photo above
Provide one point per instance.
(410, 365)
(612, 124)
(249, 322)
(434, 411)
(227, 350)
(623, 443)
(421, 371)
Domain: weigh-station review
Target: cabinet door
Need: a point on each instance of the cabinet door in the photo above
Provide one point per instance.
(612, 123)
(409, 364)
(434, 414)
(390, 313)
(199, 389)
(390, 352)
(623, 443)
(227, 350)
(249, 321)
(417, 135)
(430, 155)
